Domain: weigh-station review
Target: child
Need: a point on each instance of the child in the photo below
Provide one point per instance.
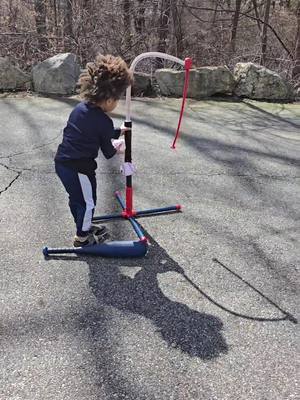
(89, 129)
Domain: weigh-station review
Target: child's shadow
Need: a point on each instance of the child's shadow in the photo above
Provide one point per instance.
(194, 333)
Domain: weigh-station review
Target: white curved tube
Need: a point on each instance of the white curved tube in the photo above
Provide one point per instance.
(133, 65)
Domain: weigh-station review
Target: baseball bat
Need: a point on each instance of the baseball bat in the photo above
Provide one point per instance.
(108, 249)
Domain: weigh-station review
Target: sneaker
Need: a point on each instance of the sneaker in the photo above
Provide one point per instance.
(90, 239)
(98, 230)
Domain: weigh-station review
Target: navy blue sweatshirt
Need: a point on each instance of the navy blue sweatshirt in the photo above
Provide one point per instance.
(88, 129)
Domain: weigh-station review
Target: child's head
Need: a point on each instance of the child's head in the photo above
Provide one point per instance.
(104, 81)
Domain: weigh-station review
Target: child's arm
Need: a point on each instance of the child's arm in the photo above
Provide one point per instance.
(109, 143)
(117, 133)
(120, 131)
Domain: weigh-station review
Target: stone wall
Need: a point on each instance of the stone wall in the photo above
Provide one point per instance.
(58, 75)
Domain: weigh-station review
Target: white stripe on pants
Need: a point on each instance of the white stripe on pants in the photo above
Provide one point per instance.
(87, 192)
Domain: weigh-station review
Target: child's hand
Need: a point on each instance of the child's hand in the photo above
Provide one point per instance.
(119, 145)
(128, 169)
(124, 129)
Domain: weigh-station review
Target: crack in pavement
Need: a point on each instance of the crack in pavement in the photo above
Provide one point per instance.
(19, 173)
(32, 149)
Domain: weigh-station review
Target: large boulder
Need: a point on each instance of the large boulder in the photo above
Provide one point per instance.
(56, 75)
(142, 84)
(11, 77)
(204, 82)
(257, 82)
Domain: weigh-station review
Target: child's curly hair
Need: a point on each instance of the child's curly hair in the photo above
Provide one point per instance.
(105, 78)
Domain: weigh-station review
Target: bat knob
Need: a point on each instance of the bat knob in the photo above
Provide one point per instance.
(45, 251)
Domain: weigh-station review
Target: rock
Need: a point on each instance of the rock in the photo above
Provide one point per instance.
(142, 84)
(257, 82)
(170, 82)
(56, 75)
(204, 82)
(11, 77)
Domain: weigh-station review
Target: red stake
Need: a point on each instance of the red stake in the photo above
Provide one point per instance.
(187, 66)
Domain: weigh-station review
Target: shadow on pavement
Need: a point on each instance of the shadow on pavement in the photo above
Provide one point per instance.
(192, 332)
(286, 315)
(270, 115)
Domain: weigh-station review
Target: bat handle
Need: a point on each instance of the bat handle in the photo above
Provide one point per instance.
(62, 250)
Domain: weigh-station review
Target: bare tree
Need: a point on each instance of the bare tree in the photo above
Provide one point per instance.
(264, 37)
(256, 14)
(208, 30)
(296, 68)
(127, 23)
(68, 23)
(12, 15)
(139, 20)
(55, 16)
(164, 21)
(213, 21)
(177, 15)
(40, 22)
(235, 21)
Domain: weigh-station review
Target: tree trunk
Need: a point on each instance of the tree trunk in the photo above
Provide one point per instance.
(235, 21)
(12, 16)
(139, 20)
(177, 26)
(68, 25)
(296, 69)
(256, 14)
(40, 22)
(163, 28)
(154, 11)
(264, 37)
(213, 21)
(127, 23)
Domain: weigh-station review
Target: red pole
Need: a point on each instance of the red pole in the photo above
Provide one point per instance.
(187, 66)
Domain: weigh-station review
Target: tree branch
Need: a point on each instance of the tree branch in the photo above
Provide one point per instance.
(290, 53)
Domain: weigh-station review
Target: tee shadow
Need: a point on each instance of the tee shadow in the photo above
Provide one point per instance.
(194, 333)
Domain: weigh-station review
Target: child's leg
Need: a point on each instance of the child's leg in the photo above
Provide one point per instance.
(82, 195)
(85, 214)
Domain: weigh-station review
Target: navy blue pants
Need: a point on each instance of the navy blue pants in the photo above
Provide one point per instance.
(82, 196)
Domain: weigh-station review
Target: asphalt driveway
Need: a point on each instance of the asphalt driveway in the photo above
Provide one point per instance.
(209, 313)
